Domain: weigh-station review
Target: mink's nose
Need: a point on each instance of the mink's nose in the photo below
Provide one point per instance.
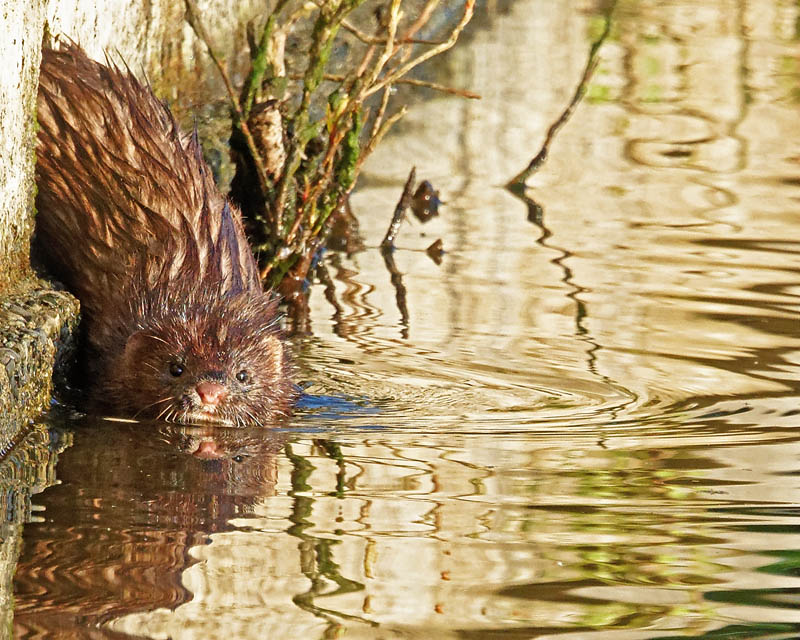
(211, 393)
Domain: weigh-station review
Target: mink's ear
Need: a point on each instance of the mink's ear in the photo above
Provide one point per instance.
(277, 360)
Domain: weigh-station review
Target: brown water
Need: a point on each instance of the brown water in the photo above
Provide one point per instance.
(583, 426)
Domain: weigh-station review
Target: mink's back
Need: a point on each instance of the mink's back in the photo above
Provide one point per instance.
(122, 191)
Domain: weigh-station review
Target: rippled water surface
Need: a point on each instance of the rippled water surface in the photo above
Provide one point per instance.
(583, 423)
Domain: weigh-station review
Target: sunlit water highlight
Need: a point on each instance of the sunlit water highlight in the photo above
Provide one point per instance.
(582, 427)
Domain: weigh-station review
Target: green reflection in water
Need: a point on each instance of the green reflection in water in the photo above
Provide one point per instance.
(317, 554)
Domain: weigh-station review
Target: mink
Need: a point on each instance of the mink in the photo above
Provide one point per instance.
(176, 323)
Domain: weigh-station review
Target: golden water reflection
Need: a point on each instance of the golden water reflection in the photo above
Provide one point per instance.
(584, 426)
(664, 265)
(391, 535)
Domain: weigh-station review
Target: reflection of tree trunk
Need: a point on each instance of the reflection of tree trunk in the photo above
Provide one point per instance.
(97, 557)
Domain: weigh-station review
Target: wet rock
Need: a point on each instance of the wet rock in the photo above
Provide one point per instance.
(36, 329)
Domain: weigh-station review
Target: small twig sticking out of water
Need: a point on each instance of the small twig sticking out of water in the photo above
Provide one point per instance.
(517, 184)
(425, 203)
(387, 246)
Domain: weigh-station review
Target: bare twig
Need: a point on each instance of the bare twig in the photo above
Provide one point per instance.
(240, 120)
(462, 93)
(375, 139)
(389, 49)
(469, 7)
(376, 123)
(422, 19)
(368, 39)
(387, 246)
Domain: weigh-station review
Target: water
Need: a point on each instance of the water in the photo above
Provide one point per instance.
(587, 426)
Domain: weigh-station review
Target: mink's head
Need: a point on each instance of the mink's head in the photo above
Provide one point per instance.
(209, 358)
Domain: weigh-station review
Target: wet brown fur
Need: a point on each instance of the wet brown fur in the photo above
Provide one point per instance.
(129, 218)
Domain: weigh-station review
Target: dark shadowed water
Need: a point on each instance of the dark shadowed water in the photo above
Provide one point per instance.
(584, 423)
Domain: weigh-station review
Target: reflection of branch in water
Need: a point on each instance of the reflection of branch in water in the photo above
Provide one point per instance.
(316, 556)
(334, 452)
(536, 213)
(517, 184)
(348, 325)
(387, 248)
(324, 276)
(400, 289)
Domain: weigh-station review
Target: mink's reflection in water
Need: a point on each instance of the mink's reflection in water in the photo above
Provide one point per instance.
(115, 534)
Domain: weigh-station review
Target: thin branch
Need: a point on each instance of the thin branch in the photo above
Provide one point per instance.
(422, 19)
(387, 246)
(193, 18)
(373, 141)
(376, 124)
(298, 220)
(368, 39)
(469, 7)
(389, 49)
(462, 93)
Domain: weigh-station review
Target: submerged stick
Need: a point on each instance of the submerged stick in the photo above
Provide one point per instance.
(517, 183)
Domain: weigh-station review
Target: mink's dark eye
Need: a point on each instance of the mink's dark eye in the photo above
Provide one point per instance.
(239, 458)
(175, 369)
(242, 376)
